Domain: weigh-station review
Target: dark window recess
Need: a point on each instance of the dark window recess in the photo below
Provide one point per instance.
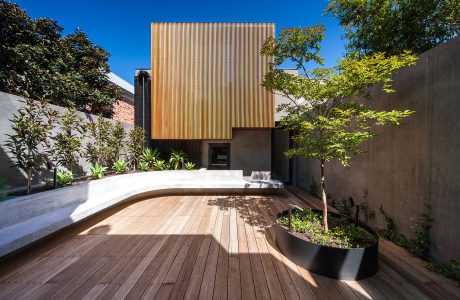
(219, 156)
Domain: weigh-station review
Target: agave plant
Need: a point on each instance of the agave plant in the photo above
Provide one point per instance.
(120, 166)
(160, 165)
(64, 178)
(97, 171)
(150, 156)
(189, 166)
(177, 159)
(143, 166)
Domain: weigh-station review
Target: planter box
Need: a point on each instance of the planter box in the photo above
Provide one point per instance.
(338, 263)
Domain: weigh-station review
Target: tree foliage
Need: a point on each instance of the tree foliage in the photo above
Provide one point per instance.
(67, 142)
(29, 144)
(102, 150)
(328, 110)
(393, 26)
(135, 146)
(38, 62)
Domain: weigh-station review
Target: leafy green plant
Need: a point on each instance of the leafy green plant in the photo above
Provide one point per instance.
(39, 61)
(160, 165)
(342, 233)
(421, 228)
(120, 166)
(394, 26)
(29, 143)
(450, 270)
(102, 150)
(419, 246)
(116, 138)
(68, 140)
(3, 192)
(177, 159)
(150, 156)
(64, 178)
(135, 145)
(143, 166)
(189, 165)
(97, 170)
(328, 108)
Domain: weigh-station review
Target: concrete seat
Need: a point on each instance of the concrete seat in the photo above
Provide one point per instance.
(29, 218)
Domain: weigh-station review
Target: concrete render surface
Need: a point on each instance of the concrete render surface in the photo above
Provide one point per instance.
(28, 219)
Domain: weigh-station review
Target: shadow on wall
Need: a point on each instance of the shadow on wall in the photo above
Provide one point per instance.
(10, 172)
(175, 266)
(15, 178)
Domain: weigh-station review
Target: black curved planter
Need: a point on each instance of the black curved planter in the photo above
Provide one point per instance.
(339, 263)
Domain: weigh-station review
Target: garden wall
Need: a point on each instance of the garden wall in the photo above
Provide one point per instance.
(404, 168)
(9, 105)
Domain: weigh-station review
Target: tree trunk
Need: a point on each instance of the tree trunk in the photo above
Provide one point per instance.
(324, 198)
(29, 181)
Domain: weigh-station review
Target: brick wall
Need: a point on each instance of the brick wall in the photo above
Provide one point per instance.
(123, 111)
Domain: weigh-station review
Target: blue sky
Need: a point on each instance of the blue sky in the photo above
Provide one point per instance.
(122, 27)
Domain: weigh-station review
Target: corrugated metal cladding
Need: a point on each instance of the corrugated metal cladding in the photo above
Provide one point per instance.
(206, 79)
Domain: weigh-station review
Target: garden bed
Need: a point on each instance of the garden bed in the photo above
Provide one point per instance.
(346, 252)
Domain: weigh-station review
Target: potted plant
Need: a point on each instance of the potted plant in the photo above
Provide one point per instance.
(329, 114)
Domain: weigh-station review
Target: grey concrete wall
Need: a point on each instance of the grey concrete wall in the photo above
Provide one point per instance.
(9, 104)
(280, 143)
(403, 168)
(250, 150)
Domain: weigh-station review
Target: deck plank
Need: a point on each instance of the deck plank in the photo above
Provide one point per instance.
(191, 247)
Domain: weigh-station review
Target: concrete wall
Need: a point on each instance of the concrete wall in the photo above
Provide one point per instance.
(403, 168)
(250, 150)
(9, 104)
(280, 143)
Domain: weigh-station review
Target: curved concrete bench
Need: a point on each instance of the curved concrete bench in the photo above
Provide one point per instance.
(27, 219)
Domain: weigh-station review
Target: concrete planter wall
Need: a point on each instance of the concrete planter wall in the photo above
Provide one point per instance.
(29, 218)
(338, 263)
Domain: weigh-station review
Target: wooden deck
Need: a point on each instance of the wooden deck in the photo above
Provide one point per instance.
(190, 247)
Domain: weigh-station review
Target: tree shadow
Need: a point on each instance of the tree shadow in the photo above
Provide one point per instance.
(252, 208)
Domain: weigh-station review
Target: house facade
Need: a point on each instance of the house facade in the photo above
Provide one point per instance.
(203, 94)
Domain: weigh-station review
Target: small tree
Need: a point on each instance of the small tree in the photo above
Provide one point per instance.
(102, 150)
(116, 140)
(328, 113)
(29, 144)
(68, 140)
(135, 145)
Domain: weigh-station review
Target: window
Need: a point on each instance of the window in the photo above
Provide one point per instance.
(219, 156)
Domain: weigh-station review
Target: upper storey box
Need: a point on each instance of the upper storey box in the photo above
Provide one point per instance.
(206, 79)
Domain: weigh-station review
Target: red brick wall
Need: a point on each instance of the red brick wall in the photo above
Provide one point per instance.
(123, 111)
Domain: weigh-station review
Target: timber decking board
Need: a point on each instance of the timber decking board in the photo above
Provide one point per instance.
(191, 247)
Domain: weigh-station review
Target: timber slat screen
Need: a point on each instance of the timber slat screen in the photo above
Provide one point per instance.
(206, 79)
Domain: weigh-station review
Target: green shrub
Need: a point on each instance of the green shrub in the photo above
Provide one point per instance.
(104, 149)
(120, 166)
(143, 166)
(177, 159)
(64, 178)
(150, 156)
(159, 165)
(68, 140)
(135, 145)
(450, 270)
(189, 166)
(29, 142)
(97, 171)
(341, 234)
